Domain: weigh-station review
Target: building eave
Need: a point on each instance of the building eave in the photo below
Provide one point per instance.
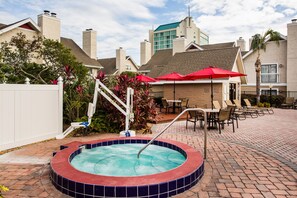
(283, 37)
(94, 66)
(20, 23)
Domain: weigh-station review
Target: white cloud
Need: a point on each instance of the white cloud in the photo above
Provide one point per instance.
(226, 20)
(289, 11)
(126, 23)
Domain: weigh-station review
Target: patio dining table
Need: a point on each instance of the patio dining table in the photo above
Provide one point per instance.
(174, 103)
(211, 115)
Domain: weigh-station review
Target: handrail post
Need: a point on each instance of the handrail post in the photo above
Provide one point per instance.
(166, 127)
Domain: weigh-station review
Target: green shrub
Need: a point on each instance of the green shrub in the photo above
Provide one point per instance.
(266, 104)
(276, 100)
(260, 104)
(252, 98)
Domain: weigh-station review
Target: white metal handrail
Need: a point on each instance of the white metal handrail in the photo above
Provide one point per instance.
(126, 110)
(166, 127)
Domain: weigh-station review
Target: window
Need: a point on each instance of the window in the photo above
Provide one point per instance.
(128, 67)
(267, 92)
(269, 73)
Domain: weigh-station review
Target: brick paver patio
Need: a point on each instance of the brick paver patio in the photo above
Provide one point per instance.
(258, 160)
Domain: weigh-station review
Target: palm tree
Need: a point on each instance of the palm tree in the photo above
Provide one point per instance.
(259, 43)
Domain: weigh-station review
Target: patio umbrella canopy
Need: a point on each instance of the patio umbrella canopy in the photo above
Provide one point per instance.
(212, 72)
(172, 76)
(144, 78)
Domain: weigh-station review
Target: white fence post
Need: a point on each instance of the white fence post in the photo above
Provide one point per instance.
(27, 81)
(60, 84)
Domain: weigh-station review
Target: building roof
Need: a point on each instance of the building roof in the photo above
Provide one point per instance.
(80, 55)
(109, 65)
(244, 53)
(218, 45)
(161, 57)
(2, 26)
(167, 26)
(28, 21)
(282, 37)
(188, 62)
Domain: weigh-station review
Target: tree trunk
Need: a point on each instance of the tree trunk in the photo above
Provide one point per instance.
(258, 76)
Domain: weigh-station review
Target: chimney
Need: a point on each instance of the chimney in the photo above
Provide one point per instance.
(46, 12)
(178, 45)
(250, 42)
(50, 25)
(241, 43)
(151, 40)
(120, 59)
(145, 52)
(90, 43)
(292, 55)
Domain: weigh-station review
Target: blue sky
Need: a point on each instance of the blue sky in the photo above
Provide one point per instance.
(125, 23)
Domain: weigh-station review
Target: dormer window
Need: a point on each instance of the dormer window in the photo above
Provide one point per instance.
(128, 67)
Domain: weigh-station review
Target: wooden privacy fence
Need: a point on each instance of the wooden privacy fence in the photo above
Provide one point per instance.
(30, 113)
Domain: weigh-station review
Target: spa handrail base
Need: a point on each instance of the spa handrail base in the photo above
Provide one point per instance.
(160, 133)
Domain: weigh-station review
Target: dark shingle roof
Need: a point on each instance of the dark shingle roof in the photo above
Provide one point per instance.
(109, 65)
(161, 57)
(2, 26)
(244, 53)
(188, 62)
(80, 55)
(218, 45)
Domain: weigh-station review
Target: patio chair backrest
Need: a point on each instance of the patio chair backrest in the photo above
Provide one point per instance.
(224, 114)
(232, 110)
(228, 102)
(192, 114)
(289, 100)
(184, 102)
(247, 102)
(237, 103)
(216, 104)
(164, 102)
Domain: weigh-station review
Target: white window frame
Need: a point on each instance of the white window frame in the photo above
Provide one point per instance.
(277, 72)
(268, 89)
(128, 67)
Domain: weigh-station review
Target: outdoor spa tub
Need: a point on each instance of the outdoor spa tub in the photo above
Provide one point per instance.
(74, 174)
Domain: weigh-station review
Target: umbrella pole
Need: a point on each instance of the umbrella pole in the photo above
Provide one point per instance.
(211, 95)
(174, 96)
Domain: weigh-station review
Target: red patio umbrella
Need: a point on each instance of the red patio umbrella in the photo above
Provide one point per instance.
(212, 72)
(172, 76)
(144, 78)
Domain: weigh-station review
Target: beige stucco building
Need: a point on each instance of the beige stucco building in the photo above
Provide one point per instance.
(189, 58)
(49, 26)
(279, 66)
(119, 64)
(163, 36)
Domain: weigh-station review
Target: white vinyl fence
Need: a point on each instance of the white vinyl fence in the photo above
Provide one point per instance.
(30, 113)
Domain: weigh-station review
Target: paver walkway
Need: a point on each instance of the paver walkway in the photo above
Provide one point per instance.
(274, 134)
(257, 160)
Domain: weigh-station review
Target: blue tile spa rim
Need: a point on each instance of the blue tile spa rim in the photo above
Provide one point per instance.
(76, 183)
